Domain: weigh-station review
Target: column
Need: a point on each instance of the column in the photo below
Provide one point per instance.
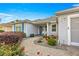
(48, 29)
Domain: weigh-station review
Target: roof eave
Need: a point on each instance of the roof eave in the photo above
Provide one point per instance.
(68, 11)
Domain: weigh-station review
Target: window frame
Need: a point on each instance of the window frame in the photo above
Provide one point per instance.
(53, 27)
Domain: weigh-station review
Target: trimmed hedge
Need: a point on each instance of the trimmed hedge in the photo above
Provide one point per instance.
(11, 37)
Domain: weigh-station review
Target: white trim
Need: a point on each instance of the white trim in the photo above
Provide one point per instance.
(74, 15)
(69, 30)
(48, 29)
(75, 44)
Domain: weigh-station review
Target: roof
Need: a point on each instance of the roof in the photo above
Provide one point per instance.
(20, 21)
(68, 11)
(38, 21)
(50, 19)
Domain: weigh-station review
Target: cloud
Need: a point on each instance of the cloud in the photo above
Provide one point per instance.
(75, 5)
(3, 15)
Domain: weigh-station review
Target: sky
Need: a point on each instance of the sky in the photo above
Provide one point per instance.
(31, 11)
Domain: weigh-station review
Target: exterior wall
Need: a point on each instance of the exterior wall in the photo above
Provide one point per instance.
(34, 29)
(8, 28)
(17, 25)
(30, 29)
(63, 29)
(13, 28)
(1, 27)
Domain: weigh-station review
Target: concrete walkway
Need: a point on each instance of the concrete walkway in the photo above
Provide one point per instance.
(32, 49)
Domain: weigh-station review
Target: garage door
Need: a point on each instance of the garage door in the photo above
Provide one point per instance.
(75, 31)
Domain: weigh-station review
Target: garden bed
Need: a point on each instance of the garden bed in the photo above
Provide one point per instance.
(10, 43)
(43, 42)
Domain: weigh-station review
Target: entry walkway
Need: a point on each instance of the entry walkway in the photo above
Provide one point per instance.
(32, 49)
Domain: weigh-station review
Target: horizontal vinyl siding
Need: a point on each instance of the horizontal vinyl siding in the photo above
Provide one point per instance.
(31, 29)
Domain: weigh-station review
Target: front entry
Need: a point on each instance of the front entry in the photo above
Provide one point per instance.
(40, 30)
(75, 31)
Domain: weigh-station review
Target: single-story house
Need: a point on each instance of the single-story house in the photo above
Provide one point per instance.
(6, 27)
(68, 26)
(37, 27)
(65, 25)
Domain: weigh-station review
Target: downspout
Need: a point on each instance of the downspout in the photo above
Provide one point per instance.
(57, 29)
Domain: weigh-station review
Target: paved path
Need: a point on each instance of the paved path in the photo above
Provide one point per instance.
(32, 49)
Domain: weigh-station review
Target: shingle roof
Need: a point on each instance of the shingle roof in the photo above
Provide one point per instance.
(49, 19)
(67, 11)
(52, 18)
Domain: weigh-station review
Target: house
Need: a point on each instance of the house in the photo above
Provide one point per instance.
(65, 25)
(6, 27)
(68, 26)
(37, 27)
(1, 27)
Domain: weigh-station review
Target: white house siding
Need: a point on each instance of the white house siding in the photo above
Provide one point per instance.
(15, 25)
(30, 29)
(62, 29)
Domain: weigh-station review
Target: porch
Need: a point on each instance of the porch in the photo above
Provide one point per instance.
(47, 28)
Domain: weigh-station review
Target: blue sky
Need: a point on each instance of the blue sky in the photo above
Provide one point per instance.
(32, 11)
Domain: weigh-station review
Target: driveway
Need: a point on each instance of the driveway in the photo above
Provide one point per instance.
(32, 49)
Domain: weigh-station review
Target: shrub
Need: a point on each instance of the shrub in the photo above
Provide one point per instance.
(52, 41)
(10, 37)
(22, 34)
(1, 30)
(39, 41)
(47, 37)
(52, 36)
(10, 50)
(31, 35)
(44, 36)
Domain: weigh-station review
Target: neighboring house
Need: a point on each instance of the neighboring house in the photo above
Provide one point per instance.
(37, 27)
(1, 27)
(6, 27)
(68, 26)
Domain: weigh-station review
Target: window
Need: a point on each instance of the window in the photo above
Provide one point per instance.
(19, 28)
(53, 27)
